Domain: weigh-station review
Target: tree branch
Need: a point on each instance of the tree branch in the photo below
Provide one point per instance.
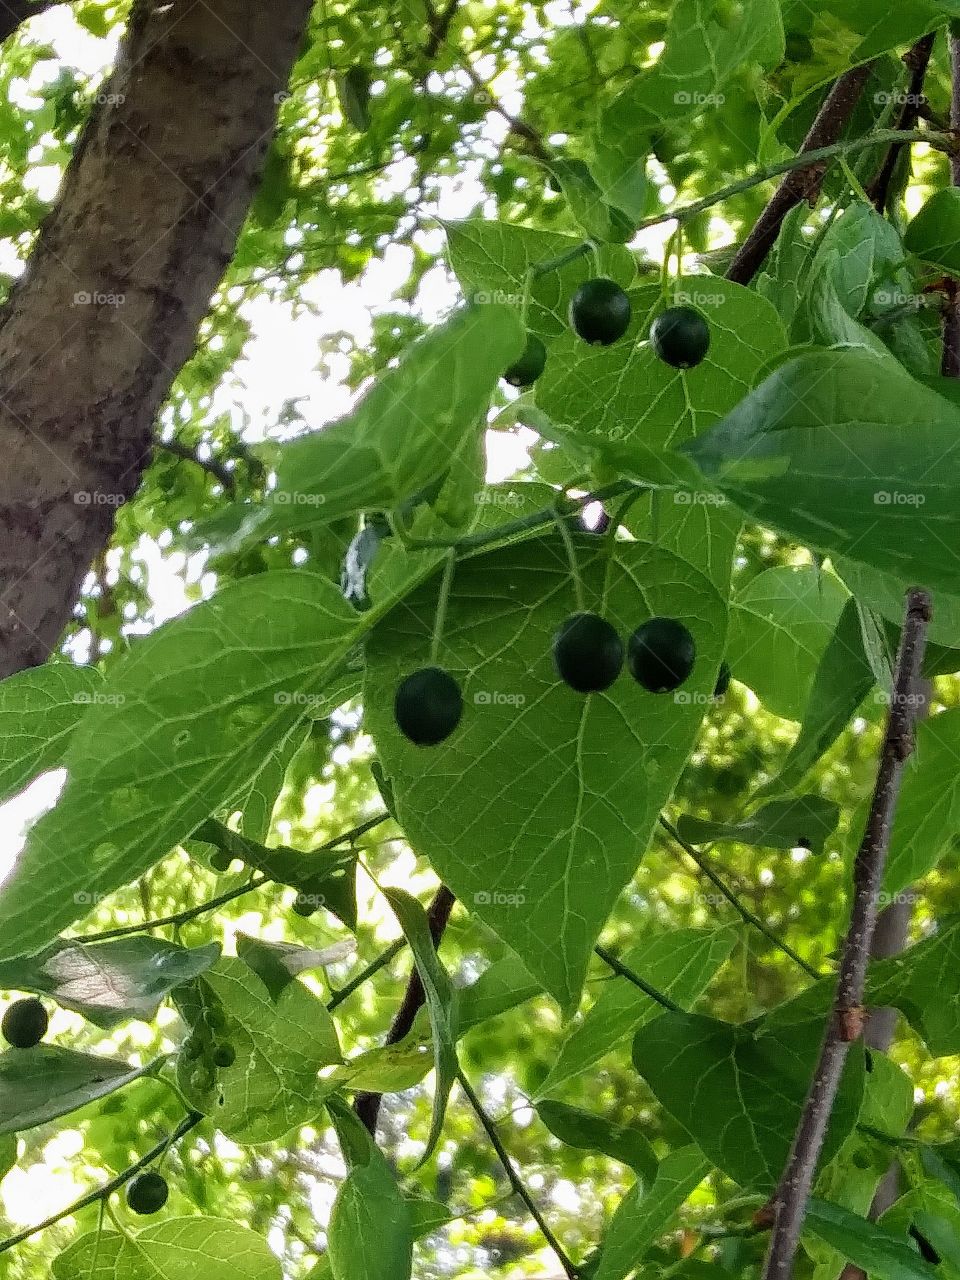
(14, 13)
(103, 1192)
(515, 1181)
(367, 1105)
(216, 469)
(846, 1020)
(917, 59)
(800, 184)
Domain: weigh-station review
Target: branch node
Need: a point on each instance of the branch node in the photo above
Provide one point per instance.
(851, 1022)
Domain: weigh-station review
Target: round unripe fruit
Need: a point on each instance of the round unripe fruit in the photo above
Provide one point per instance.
(661, 654)
(525, 371)
(224, 1054)
(680, 337)
(428, 706)
(587, 653)
(147, 1193)
(600, 312)
(25, 1023)
(221, 861)
(723, 680)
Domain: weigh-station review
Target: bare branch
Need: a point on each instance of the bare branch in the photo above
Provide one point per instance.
(917, 59)
(367, 1105)
(800, 184)
(846, 1021)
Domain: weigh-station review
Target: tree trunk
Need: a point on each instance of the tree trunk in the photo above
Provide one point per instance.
(107, 312)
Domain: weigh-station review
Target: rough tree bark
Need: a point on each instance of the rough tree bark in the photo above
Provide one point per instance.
(149, 212)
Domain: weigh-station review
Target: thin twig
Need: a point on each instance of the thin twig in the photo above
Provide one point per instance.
(223, 475)
(515, 1181)
(917, 59)
(231, 842)
(367, 1105)
(801, 183)
(846, 1020)
(381, 962)
(102, 1193)
(744, 912)
(618, 967)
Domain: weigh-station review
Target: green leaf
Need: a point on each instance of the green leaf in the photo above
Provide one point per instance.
(370, 1234)
(700, 55)
(624, 400)
(522, 811)
(441, 1003)
(41, 1084)
(8, 1154)
(865, 1244)
(404, 433)
(353, 90)
(781, 824)
(680, 964)
(781, 623)
(754, 1075)
(843, 678)
(176, 1249)
(280, 1046)
(188, 714)
(108, 982)
(588, 1131)
(256, 799)
(427, 1216)
(934, 232)
(588, 203)
(501, 987)
(39, 710)
(927, 818)
(646, 1212)
(834, 450)
(924, 983)
(276, 964)
(491, 261)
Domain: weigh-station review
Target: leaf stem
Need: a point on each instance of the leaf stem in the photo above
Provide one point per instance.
(102, 1193)
(514, 1178)
(618, 967)
(440, 617)
(846, 1021)
(744, 912)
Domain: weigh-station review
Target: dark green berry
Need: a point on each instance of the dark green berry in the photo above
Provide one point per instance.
(25, 1023)
(304, 906)
(587, 653)
(661, 654)
(724, 677)
(525, 371)
(428, 706)
(221, 861)
(680, 336)
(600, 312)
(148, 1192)
(224, 1054)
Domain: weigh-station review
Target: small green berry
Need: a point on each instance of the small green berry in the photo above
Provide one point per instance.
(25, 1023)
